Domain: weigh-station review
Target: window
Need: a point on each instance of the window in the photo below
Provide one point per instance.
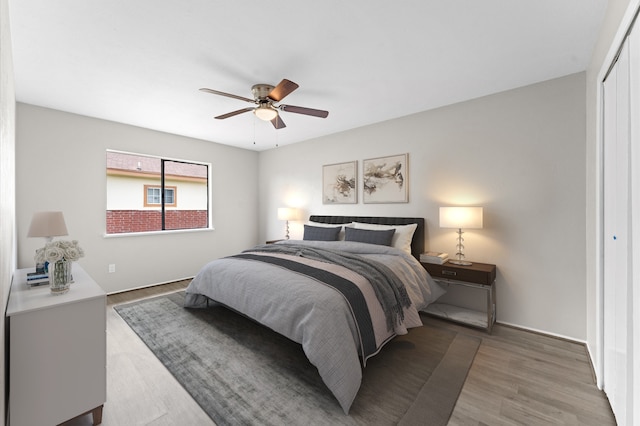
(152, 196)
(142, 194)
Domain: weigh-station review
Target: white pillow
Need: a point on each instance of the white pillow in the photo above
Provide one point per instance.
(332, 225)
(401, 238)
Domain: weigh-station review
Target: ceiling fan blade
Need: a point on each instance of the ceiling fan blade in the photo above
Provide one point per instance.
(302, 110)
(228, 95)
(282, 89)
(278, 123)
(231, 114)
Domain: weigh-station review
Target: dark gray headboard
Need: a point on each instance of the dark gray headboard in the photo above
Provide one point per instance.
(417, 244)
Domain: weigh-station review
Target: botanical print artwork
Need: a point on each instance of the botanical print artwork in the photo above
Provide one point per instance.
(339, 183)
(385, 180)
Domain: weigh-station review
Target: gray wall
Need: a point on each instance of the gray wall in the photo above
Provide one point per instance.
(520, 154)
(61, 166)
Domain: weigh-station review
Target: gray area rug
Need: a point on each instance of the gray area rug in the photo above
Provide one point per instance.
(242, 373)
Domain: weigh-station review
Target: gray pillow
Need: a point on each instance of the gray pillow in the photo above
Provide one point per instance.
(369, 236)
(317, 233)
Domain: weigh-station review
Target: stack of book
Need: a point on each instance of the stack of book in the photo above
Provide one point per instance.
(434, 257)
(37, 278)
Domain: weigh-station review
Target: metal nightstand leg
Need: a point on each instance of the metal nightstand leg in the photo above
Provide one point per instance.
(491, 306)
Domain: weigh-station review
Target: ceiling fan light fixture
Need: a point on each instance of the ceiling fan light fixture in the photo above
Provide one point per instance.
(265, 112)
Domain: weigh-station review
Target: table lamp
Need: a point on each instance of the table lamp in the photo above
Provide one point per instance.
(47, 225)
(287, 213)
(460, 217)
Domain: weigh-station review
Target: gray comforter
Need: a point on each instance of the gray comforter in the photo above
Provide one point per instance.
(312, 314)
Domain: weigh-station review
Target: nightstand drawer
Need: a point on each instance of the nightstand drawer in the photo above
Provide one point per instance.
(479, 273)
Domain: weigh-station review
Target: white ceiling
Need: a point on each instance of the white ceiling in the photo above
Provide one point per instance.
(141, 62)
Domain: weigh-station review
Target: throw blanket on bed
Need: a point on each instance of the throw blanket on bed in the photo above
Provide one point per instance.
(349, 290)
(389, 289)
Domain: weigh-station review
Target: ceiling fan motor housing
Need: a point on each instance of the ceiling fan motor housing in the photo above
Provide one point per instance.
(261, 91)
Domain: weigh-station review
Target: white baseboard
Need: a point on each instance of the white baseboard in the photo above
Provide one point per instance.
(148, 286)
(545, 333)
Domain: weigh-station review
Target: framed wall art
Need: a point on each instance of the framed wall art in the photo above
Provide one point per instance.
(386, 179)
(339, 183)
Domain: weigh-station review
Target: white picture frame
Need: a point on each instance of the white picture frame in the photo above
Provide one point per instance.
(386, 179)
(340, 183)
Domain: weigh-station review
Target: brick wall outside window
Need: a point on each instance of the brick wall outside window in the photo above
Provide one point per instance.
(121, 221)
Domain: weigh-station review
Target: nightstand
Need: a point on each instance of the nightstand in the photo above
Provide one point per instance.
(477, 275)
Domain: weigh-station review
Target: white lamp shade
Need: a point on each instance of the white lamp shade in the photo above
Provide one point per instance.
(47, 224)
(461, 217)
(287, 213)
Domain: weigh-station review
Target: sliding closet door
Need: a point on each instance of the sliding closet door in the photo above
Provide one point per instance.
(617, 287)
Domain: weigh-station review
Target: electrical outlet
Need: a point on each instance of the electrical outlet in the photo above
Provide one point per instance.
(112, 268)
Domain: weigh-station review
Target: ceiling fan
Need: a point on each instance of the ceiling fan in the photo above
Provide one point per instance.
(266, 97)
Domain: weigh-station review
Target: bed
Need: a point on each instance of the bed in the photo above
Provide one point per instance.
(342, 300)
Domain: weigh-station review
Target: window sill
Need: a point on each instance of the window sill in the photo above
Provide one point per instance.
(146, 233)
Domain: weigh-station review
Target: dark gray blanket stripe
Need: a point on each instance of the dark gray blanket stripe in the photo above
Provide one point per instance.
(351, 292)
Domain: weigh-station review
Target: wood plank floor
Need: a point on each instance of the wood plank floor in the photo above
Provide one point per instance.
(517, 378)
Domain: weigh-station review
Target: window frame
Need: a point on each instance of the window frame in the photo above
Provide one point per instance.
(209, 202)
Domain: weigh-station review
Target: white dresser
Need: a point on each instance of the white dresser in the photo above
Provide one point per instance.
(57, 351)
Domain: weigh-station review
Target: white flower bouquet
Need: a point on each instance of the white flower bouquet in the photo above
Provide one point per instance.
(55, 251)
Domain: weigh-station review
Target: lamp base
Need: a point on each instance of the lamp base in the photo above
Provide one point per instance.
(461, 262)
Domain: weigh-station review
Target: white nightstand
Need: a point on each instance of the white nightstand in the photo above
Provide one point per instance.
(57, 351)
